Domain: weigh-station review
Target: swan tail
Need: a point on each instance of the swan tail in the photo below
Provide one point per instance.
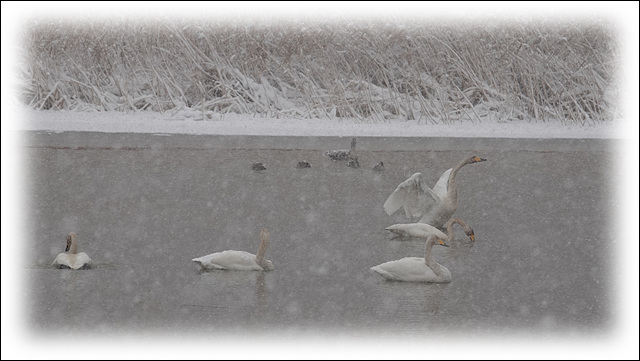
(386, 275)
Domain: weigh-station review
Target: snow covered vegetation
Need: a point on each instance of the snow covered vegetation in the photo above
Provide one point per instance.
(370, 71)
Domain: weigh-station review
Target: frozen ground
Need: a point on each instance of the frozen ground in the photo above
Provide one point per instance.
(191, 122)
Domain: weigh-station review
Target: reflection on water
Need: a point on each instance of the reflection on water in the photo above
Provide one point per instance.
(142, 215)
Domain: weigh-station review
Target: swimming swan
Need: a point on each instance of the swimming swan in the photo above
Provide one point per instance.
(416, 269)
(238, 260)
(73, 259)
(343, 154)
(436, 206)
(424, 230)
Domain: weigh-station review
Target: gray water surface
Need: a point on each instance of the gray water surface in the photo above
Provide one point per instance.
(144, 205)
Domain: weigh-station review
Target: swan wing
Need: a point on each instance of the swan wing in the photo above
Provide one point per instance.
(442, 185)
(414, 195)
(421, 230)
(73, 261)
(408, 269)
(229, 260)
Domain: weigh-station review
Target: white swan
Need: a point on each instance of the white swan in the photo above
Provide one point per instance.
(343, 154)
(434, 207)
(416, 269)
(424, 230)
(73, 259)
(238, 260)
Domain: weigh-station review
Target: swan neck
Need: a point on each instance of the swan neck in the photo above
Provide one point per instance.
(436, 267)
(452, 191)
(261, 252)
(73, 249)
(428, 258)
(450, 224)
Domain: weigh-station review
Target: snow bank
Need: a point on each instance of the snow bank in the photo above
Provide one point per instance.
(193, 122)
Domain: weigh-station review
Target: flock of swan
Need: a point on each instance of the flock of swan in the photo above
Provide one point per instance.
(433, 208)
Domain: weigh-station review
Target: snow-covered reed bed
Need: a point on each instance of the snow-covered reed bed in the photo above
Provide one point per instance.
(371, 71)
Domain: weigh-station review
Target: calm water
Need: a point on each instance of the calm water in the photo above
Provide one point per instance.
(142, 212)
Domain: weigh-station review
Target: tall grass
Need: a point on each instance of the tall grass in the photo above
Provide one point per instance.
(371, 71)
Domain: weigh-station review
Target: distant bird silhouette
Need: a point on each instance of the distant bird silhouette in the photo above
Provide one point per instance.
(343, 154)
(258, 166)
(379, 166)
(353, 163)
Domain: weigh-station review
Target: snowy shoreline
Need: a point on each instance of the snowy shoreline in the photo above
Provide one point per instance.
(190, 122)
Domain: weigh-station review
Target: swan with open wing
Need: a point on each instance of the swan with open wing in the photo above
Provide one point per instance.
(432, 206)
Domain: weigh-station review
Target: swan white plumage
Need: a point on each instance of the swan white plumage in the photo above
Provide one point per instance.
(72, 259)
(238, 260)
(416, 269)
(343, 154)
(423, 230)
(433, 206)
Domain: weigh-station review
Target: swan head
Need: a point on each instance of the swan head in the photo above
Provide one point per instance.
(433, 240)
(441, 242)
(71, 243)
(476, 159)
(465, 227)
(469, 233)
(264, 235)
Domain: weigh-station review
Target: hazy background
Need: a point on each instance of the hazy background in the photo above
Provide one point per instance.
(16, 343)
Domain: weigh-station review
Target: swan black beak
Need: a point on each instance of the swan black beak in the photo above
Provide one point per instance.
(442, 243)
(478, 159)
